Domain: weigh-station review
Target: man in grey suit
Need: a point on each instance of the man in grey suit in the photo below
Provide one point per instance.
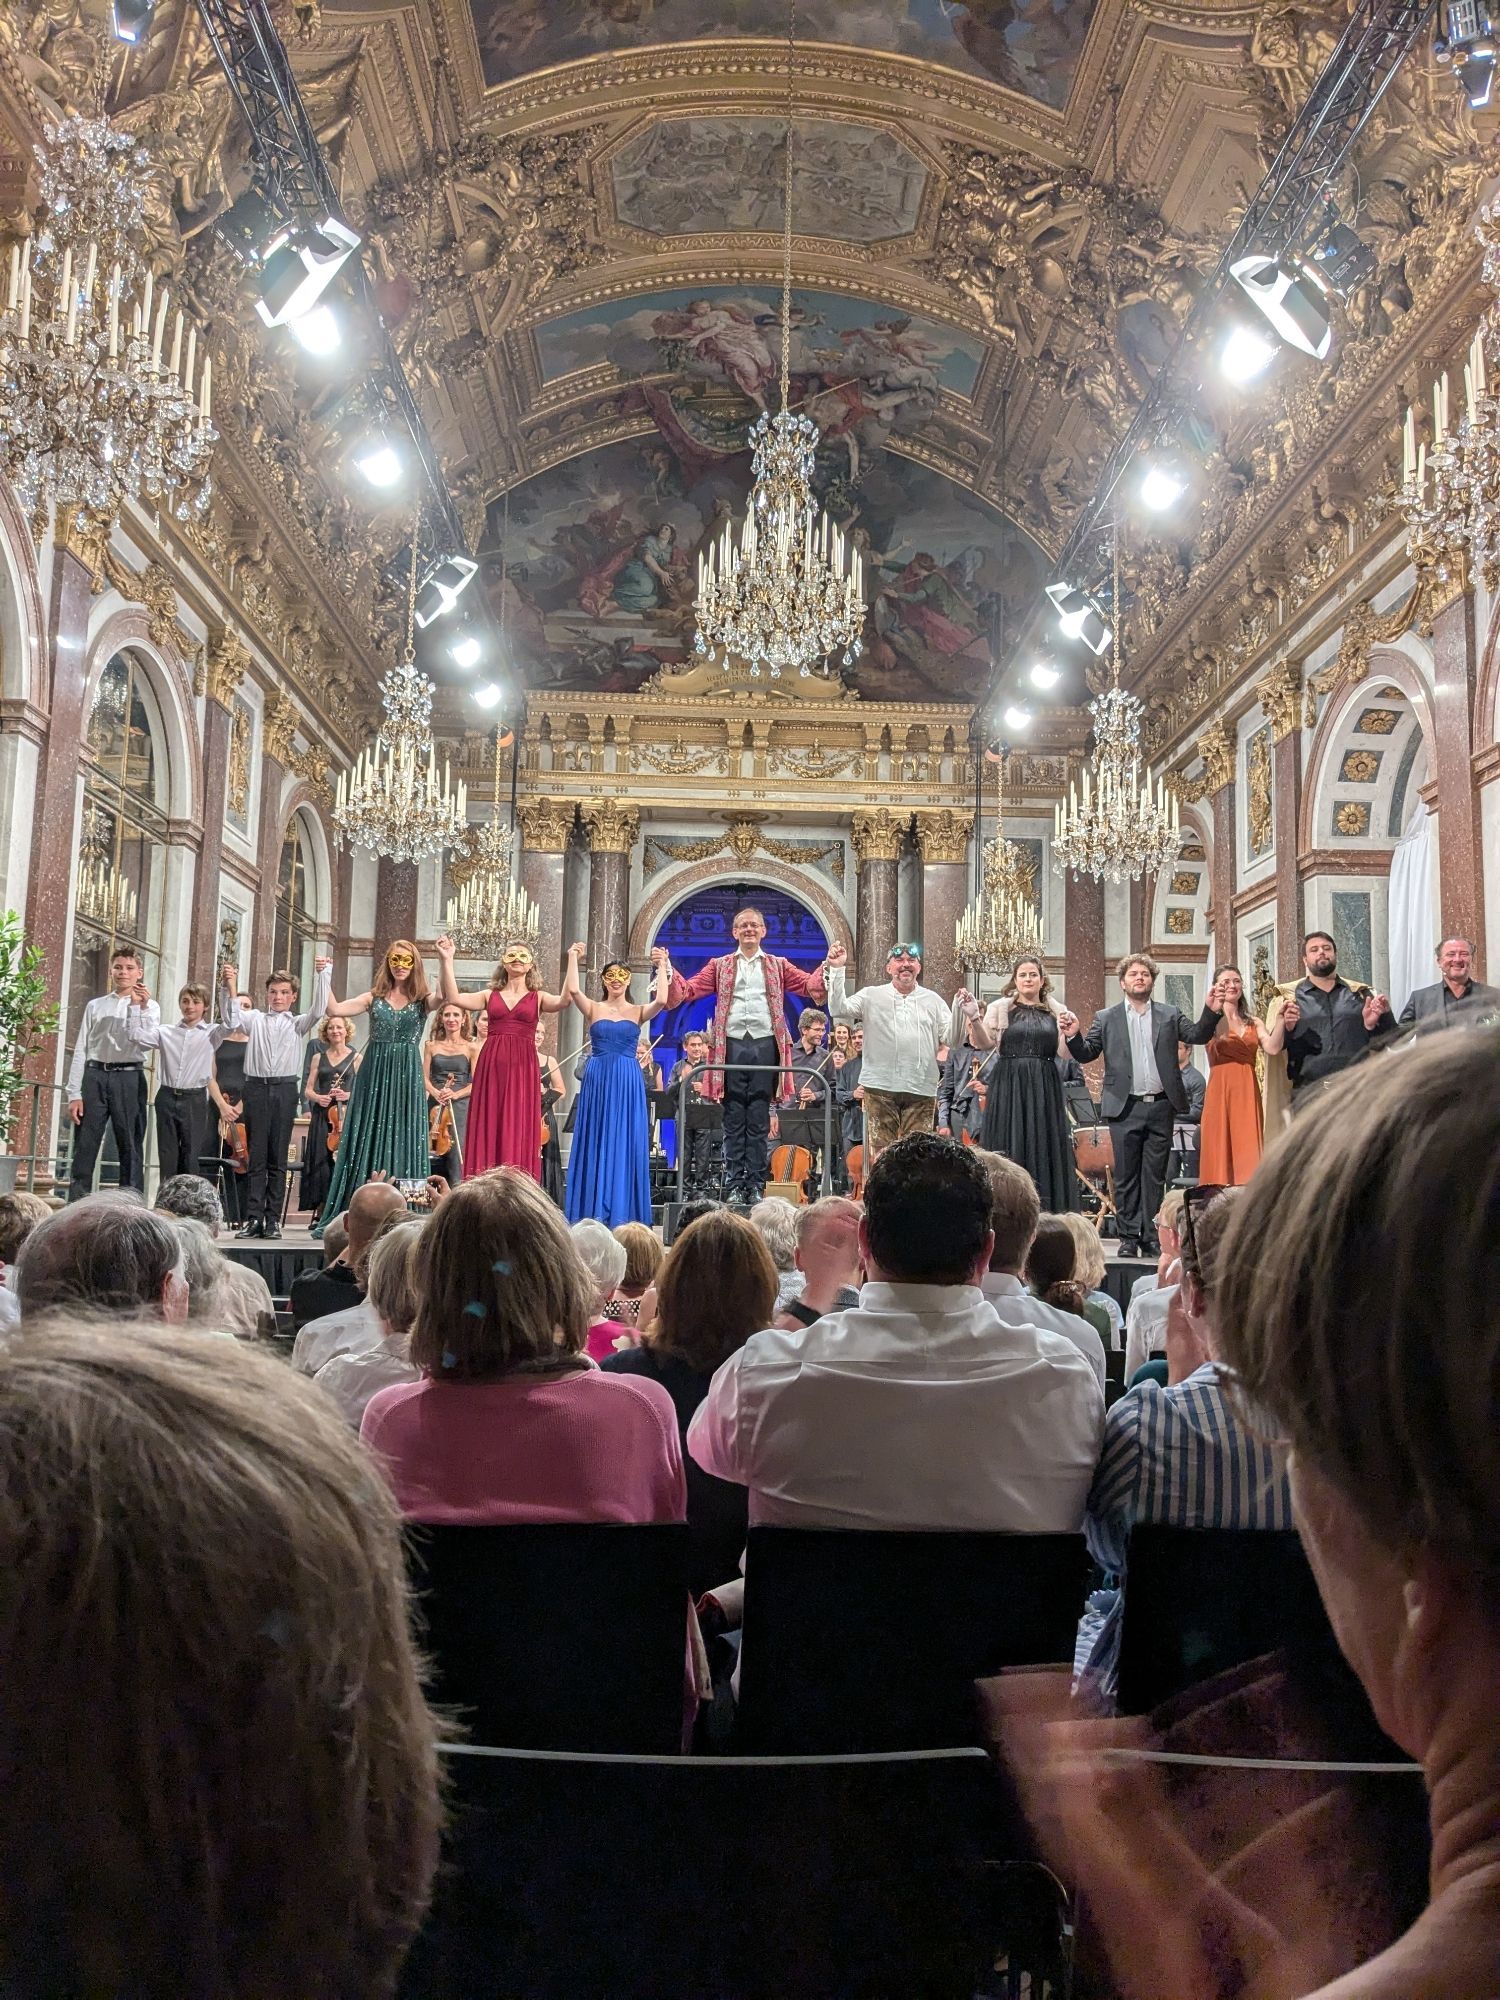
(1457, 1000)
(1143, 1089)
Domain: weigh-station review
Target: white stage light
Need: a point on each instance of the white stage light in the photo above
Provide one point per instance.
(130, 19)
(1245, 354)
(1042, 676)
(489, 695)
(380, 460)
(299, 267)
(1080, 617)
(1016, 718)
(442, 587)
(318, 331)
(1291, 299)
(465, 652)
(1161, 487)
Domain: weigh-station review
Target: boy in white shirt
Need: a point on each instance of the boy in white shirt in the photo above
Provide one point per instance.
(187, 1061)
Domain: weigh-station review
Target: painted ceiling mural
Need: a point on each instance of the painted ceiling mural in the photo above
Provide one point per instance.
(1030, 46)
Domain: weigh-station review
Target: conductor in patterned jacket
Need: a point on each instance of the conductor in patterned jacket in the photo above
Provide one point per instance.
(1143, 1090)
(749, 1026)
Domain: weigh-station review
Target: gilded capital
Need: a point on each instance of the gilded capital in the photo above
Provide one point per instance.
(86, 543)
(878, 835)
(1216, 746)
(227, 664)
(1281, 698)
(944, 835)
(612, 828)
(278, 727)
(545, 824)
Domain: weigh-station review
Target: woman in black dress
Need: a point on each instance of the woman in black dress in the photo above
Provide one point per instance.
(1025, 1117)
(226, 1089)
(448, 1068)
(326, 1082)
(554, 1091)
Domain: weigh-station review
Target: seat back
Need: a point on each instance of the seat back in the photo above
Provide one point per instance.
(567, 1637)
(1201, 1600)
(744, 1879)
(871, 1640)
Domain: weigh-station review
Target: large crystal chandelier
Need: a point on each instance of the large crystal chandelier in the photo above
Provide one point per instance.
(491, 909)
(788, 594)
(101, 397)
(1003, 922)
(394, 801)
(1450, 496)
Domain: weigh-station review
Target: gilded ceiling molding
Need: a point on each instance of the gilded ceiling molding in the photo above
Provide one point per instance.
(226, 667)
(1363, 631)
(278, 727)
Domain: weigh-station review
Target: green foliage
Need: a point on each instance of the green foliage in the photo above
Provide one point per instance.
(26, 1014)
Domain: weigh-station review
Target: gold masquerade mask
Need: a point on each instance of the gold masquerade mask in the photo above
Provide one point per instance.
(400, 961)
(517, 955)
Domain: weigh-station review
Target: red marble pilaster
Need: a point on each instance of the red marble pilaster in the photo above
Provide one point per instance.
(47, 902)
(1221, 887)
(395, 902)
(203, 948)
(1286, 802)
(1083, 941)
(546, 826)
(1460, 834)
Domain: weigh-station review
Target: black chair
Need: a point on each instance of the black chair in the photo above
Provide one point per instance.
(1201, 1600)
(610, 1878)
(567, 1637)
(860, 1640)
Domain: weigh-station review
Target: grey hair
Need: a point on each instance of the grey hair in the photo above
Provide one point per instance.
(776, 1220)
(106, 1253)
(189, 1195)
(602, 1255)
(390, 1278)
(202, 1266)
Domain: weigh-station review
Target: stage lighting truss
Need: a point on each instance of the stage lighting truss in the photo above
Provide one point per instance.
(1468, 43)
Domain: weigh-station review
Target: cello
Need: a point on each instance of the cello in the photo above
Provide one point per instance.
(792, 1164)
(854, 1163)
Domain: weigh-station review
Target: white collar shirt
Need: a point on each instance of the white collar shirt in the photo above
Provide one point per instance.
(1146, 1327)
(352, 1379)
(187, 1053)
(10, 1309)
(915, 1408)
(104, 1036)
(1145, 1077)
(1016, 1307)
(275, 1045)
(351, 1330)
(903, 1033)
(749, 1009)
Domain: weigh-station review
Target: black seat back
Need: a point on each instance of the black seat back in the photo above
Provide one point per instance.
(872, 1640)
(711, 1879)
(567, 1637)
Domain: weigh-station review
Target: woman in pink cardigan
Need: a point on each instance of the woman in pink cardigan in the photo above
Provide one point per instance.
(511, 1421)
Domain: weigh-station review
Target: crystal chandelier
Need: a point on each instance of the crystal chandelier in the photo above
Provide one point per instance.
(789, 594)
(105, 899)
(394, 801)
(1003, 922)
(491, 909)
(101, 399)
(1450, 496)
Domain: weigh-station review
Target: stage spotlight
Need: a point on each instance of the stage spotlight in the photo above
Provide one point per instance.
(1341, 261)
(1468, 42)
(1080, 617)
(299, 267)
(1245, 354)
(380, 460)
(318, 331)
(442, 587)
(1291, 299)
(130, 19)
(489, 695)
(465, 652)
(1042, 676)
(1016, 718)
(1162, 486)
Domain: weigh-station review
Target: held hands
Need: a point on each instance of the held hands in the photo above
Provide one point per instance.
(445, 950)
(658, 956)
(227, 975)
(1374, 1008)
(578, 951)
(1291, 1014)
(322, 964)
(1067, 1022)
(837, 958)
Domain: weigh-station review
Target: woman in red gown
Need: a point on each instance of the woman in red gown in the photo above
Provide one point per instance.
(505, 1106)
(1231, 1133)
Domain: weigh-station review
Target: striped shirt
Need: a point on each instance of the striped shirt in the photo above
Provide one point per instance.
(1180, 1457)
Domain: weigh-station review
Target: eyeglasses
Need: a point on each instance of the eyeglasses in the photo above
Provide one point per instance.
(904, 951)
(1201, 1196)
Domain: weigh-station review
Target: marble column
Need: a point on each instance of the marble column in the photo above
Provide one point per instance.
(545, 827)
(1218, 748)
(343, 917)
(227, 662)
(943, 838)
(1281, 698)
(877, 846)
(1460, 826)
(1083, 942)
(395, 902)
(278, 726)
(612, 831)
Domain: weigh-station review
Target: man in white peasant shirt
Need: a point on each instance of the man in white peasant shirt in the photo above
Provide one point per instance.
(904, 1026)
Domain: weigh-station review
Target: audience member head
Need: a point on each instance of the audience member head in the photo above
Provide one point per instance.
(336, 1240)
(643, 1255)
(202, 1270)
(1088, 1261)
(1015, 1209)
(105, 1254)
(927, 1214)
(828, 1241)
(691, 1210)
(603, 1256)
(501, 1287)
(1169, 1221)
(210, 1684)
(1051, 1264)
(1369, 1332)
(1136, 973)
(19, 1215)
(717, 1287)
(776, 1219)
(371, 1208)
(390, 1281)
(192, 1197)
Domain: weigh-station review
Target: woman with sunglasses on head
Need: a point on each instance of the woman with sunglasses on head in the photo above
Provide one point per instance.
(385, 1127)
(609, 1168)
(505, 1101)
(1025, 1114)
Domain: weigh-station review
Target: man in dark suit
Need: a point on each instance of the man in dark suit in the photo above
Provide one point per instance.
(1143, 1090)
(1457, 1000)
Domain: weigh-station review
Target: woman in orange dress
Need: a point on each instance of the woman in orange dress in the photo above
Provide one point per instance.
(1230, 1134)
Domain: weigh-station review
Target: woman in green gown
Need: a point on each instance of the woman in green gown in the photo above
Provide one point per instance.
(385, 1127)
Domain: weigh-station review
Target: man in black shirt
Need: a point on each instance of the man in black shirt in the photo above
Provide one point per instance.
(800, 1123)
(1329, 1024)
(340, 1282)
(705, 1121)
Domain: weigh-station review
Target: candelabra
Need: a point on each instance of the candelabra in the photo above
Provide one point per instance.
(104, 898)
(491, 909)
(101, 399)
(1003, 923)
(1450, 495)
(1118, 825)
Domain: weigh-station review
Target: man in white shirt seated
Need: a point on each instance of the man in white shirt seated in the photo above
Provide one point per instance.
(1151, 1297)
(918, 1407)
(354, 1328)
(1014, 1216)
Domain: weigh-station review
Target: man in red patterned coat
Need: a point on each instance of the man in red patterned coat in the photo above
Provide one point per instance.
(749, 1026)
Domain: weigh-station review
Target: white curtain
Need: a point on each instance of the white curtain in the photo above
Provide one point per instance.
(1411, 912)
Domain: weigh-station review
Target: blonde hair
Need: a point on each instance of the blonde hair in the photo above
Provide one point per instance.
(390, 1275)
(717, 1287)
(210, 1684)
(1089, 1268)
(327, 1022)
(1169, 1215)
(643, 1255)
(1015, 1209)
(1370, 1330)
(501, 1289)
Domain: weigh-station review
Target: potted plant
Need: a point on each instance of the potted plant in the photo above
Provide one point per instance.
(26, 1016)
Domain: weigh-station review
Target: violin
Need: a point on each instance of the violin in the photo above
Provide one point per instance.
(441, 1133)
(794, 1164)
(335, 1125)
(854, 1162)
(239, 1146)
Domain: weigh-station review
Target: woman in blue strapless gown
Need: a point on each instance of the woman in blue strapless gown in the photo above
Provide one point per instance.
(609, 1167)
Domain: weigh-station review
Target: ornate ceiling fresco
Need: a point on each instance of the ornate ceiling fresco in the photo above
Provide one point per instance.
(1002, 208)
